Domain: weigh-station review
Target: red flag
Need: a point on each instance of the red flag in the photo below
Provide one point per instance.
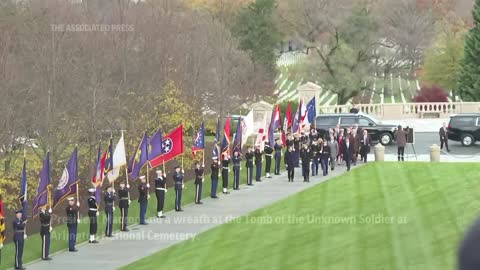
(226, 138)
(288, 116)
(2, 214)
(287, 123)
(172, 146)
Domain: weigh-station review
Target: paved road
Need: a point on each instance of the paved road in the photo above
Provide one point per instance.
(141, 241)
(423, 141)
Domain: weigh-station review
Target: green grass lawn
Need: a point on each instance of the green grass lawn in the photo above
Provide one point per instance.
(59, 238)
(382, 216)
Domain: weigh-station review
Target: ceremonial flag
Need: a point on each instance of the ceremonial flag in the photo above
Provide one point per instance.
(226, 138)
(286, 123)
(310, 113)
(43, 195)
(216, 150)
(261, 137)
(275, 121)
(247, 127)
(237, 141)
(155, 145)
(139, 158)
(119, 160)
(23, 190)
(2, 213)
(298, 118)
(67, 185)
(108, 165)
(172, 146)
(2, 223)
(199, 140)
(271, 135)
(97, 179)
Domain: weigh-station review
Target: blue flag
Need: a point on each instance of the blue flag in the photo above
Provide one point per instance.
(67, 185)
(199, 140)
(156, 149)
(237, 140)
(108, 166)
(216, 151)
(23, 190)
(43, 195)
(271, 137)
(311, 111)
(139, 158)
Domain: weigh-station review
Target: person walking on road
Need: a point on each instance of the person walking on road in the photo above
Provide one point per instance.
(401, 138)
(444, 136)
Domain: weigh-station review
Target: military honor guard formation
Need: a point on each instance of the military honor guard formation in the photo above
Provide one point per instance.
(309, 150)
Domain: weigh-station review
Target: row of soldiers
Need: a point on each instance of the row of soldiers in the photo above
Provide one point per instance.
(305, 147)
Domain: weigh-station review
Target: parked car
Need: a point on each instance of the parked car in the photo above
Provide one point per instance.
(464, 128)
(383, 133)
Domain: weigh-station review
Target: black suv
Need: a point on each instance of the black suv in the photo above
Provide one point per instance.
(384, 133)
(464, 128)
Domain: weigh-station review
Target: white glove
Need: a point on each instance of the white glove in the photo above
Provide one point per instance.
(203, 180)
(183, 186)
(128, 186)
(78, 221)
(98, 213)
(241, 168)
(113, 209)
(129, 201)
(51, 229)
(25, 236)
(166, 190)
(1, 245)
(78, 204)
(183, 171)
(113, 190)
(148, 185)
(228, 170)
(148, 196)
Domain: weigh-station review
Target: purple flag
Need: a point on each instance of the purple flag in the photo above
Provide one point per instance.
(42, 197)
(216, 151)
(155, 143)
(139, 158)
(67, 185)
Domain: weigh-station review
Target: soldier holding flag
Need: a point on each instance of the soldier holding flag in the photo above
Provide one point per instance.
(45, 233)
(215, 170)
(109, 198)
(92, 215)
(72, 223)
(123, 204)
(199, 170)
(143, 199)
(160, 190)
(18, 226)
(178, 180)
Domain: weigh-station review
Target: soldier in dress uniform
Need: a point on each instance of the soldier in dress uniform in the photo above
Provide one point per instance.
(143, 199)
(324, 157)
(258, 163)
(315, 149)
(225, 172)
(215, 167)
(19, 237)
(179, 186)
(268, 159)
(278, 155)
(72, 223)
(109, 207)
(290, 163)
(45, 229)
(249, 165)
(296, 150)
(306, 156)
(123, 204)
(199, 178)
(237, 159)
(160, 190)
(92, 215)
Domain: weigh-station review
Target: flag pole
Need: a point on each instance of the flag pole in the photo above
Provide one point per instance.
(78, 204)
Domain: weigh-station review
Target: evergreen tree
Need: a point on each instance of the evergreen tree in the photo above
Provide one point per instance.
(257, 33)
(469, 80)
